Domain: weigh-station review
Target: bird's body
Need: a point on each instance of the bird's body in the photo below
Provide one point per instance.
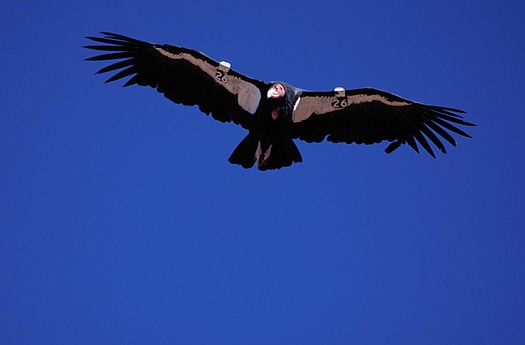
(275, 113)
(272, 122)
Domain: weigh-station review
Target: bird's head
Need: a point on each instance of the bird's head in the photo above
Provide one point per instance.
(276, 91)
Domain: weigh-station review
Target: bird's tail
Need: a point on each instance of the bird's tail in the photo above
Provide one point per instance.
(283, 154)
(278, 155)
(244, 153)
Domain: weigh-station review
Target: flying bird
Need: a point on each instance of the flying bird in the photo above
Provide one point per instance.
(276, 113)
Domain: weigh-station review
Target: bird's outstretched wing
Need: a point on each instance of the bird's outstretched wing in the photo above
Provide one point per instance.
(183, 75)
(368, 116)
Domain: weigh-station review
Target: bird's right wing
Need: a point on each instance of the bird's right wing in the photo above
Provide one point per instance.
(183, 75)
(370, 116)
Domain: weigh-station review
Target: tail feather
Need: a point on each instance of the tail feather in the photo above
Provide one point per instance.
(282, 154)
(244, 153)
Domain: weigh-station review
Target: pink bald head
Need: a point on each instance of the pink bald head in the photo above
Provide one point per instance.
(276, 91)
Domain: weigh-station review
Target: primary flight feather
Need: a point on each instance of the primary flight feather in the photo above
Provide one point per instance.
(275, 113)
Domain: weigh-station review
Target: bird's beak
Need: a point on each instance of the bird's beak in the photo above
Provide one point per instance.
(273, 93)
(276, 91)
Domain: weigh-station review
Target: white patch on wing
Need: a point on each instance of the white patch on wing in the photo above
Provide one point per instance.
(249, 98)
(296, 103)
(310, 105)
(356, 99)
(248, 95)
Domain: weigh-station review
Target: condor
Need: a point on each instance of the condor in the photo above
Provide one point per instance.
(275, 113)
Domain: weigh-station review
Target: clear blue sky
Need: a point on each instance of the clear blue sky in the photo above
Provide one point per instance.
(122, 222)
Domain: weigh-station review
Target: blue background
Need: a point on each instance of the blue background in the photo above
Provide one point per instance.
(123, 223)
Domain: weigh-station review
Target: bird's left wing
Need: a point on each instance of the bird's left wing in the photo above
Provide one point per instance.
(368, 116)
(183, 75)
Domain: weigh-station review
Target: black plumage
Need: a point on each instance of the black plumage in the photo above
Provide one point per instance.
(275, 113)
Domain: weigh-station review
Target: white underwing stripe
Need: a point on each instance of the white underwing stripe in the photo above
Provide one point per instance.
(296, 104)
(356, 99)
(248, 95)
(310, 105)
